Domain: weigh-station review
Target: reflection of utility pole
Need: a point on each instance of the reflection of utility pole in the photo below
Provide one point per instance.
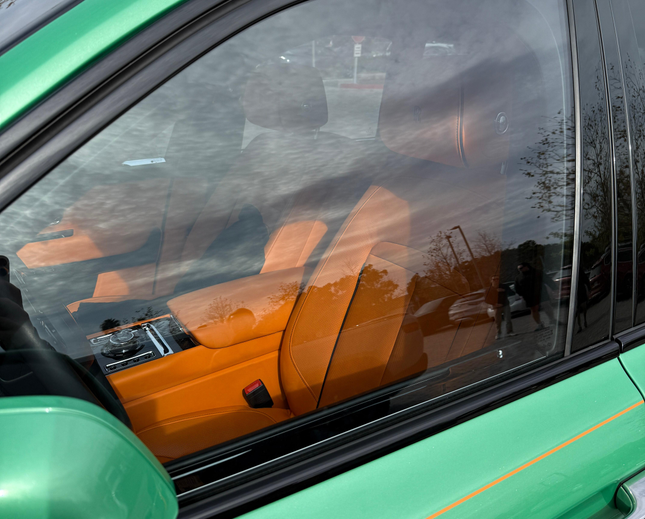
(313, 53)
(470, 252)
(455, 255)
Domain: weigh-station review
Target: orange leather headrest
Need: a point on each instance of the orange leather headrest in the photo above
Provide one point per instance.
(447, 110)
(286, 98)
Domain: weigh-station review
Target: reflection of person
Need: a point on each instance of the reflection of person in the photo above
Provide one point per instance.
(533, 286)
(584, 288)
(497, 297)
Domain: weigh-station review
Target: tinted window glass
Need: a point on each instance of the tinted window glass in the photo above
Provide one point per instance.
(623, 277)
(593, 308)
(632, 48)
(324, 219)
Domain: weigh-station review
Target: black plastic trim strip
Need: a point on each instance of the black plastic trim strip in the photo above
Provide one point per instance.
(631, 338)
(387, 438)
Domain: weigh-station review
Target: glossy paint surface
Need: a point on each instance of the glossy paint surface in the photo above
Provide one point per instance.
(54, 54)
(634, 363)
(65, 458)
(571, 442)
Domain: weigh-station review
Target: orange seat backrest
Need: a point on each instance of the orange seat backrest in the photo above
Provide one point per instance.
(347, 333)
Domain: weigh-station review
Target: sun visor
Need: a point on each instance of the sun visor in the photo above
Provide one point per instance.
(445, 109)
(286, 98)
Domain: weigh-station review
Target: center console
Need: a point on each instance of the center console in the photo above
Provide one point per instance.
(139, 343)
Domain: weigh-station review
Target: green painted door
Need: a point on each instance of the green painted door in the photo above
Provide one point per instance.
(559, 452)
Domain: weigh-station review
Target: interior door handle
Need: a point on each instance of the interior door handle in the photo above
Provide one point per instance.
(630, 498)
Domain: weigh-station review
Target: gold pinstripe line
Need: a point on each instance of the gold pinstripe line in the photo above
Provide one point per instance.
(532, 462)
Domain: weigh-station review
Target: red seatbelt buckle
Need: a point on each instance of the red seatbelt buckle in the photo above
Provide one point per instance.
(257, 395)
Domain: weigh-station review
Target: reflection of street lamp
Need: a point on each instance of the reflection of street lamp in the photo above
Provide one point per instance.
(470, 251)
(455, 255)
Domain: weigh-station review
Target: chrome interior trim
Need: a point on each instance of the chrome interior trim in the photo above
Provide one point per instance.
(160, 336)
(154, 340)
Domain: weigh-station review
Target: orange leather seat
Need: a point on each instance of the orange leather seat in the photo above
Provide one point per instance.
(299, 179)
(347, 334)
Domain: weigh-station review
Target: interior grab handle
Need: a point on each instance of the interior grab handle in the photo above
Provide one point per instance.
(630, 498)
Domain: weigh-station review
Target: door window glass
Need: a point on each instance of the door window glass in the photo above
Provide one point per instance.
(595, 278)
(340, 198)
(632, 50)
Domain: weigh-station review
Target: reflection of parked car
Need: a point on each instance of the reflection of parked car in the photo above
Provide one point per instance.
(517, 303)
(600, 277)
(434, 48)
(600, 274)
(334, 55)
(433, 315)
(562, 279)
(469, 307)
(624, 277)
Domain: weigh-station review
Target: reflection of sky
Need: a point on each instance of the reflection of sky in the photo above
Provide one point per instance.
(195, 121)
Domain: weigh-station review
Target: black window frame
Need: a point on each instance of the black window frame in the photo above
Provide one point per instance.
(59, 125)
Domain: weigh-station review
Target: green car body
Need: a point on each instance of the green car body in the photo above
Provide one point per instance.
(65, 47)
(561, 449)
(52, 466)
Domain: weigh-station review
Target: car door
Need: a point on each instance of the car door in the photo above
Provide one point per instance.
(334, 228)
(629, 27)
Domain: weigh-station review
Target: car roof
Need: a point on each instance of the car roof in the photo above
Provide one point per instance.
(49, 55)
(21, 18)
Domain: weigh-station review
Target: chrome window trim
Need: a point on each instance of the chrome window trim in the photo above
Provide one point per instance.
(577, 217)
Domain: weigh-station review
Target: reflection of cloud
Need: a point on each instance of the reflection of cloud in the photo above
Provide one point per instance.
(195, 121)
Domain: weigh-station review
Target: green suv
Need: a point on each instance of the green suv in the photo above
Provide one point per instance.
(255, 258)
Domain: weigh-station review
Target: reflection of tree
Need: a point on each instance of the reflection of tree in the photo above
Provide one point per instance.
(374, 286)
(286, 293)
(6, 3)
(444, 263)
(143, 314)
(551, 162)
(487, 244)
(635, 84)
(553, 190)
(221, 308)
